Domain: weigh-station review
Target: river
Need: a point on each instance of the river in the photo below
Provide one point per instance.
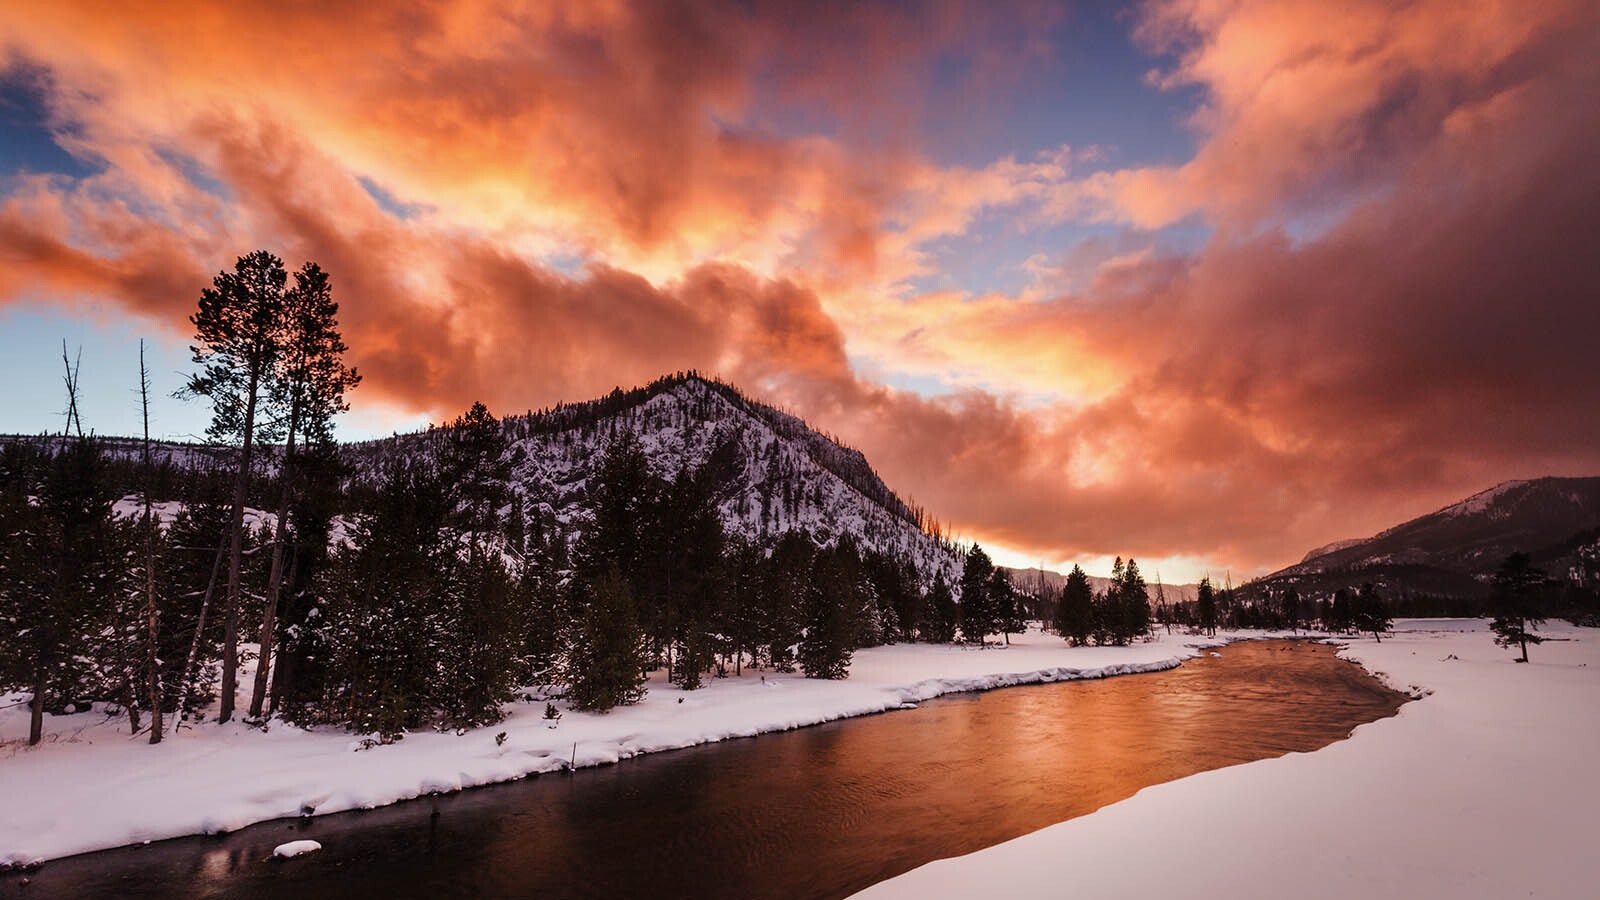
(816, 813)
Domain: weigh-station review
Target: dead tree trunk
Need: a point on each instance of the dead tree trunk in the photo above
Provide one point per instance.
(152, 661)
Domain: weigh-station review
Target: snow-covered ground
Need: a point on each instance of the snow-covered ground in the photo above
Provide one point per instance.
(90, 785)
(1486, 788)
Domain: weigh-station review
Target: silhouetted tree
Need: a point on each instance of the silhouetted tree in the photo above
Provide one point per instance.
(1206, 606)
(1371, 613)
(1007, 602)
(1075, 612)
(1515, 600)
(607, 662)
(236, 346)
(833, 618)
(980, 615)
(942, 612)
(1342, 612)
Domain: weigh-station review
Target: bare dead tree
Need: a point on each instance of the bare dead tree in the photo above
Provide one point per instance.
(152, 662)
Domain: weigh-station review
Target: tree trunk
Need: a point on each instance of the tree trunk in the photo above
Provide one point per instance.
(130, 699)
(152, 661)
(269, 610)
(230, 607)
(36, 709)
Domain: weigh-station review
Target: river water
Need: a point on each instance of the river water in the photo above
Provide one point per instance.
(816, 813)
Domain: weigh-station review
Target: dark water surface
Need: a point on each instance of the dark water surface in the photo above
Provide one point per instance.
(815, 813)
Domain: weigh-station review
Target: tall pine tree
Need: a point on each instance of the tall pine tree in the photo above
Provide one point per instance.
(237, 345)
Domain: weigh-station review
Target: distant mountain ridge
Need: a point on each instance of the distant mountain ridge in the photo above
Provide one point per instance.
(1455, 550)
(1027, 579)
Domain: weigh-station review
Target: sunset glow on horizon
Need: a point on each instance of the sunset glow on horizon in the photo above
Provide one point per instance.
(1207, 282)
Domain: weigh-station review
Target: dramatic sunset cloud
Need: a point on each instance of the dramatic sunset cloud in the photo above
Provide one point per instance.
(1212, 280)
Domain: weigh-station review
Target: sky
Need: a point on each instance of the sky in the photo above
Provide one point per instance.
(1203, 282)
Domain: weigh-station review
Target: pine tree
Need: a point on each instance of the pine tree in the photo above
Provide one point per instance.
(607, 662)
(979, 615)
(1342, 612)
(1515, 602)
(237, 345)
(1133, 604)
(197, 547)
(480, 642)
(786, 578)
(833, 613)
(1370, 613)
(1011, 618)
(386, 617)
(473, 464)
(943, 614)
(1075, 612)
(1206, 606)
(1292, 611)
(548, 620)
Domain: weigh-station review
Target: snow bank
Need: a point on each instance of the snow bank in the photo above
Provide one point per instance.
(295, 848)
(90, 786)
(1485, 788)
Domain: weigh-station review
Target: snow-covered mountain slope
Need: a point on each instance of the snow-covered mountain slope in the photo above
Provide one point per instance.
(1476, 534)
(772, 472)
(1454, 551)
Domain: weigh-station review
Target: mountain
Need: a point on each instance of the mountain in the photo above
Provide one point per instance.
(1453, 552)
(772, 472)
(1027, 579)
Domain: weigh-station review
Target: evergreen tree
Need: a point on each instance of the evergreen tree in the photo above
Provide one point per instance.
(943, 613)
(607, 663)
(1007, 601)
(980, 616)
(481, 642)
(237, 345)
(1515, 601)
(548, 619)
(1292, 608)
(473, 463)
(682, 561)
(786, 580)
(1206, 606)
(385, 618)
(1133, 603)
(833, 613)
(1075, 612)
(319, 470)
(1342, 612)
(197, 547)
(1371, 613)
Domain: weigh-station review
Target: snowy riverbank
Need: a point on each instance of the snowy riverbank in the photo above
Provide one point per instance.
(90, 786)
(1486, 788)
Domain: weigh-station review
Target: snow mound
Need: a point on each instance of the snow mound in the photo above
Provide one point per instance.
(295, 848)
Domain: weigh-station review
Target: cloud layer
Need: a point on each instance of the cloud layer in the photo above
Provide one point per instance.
(1396, 300)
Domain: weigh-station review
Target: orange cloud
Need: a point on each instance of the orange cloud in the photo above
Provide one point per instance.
(1396, 308)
